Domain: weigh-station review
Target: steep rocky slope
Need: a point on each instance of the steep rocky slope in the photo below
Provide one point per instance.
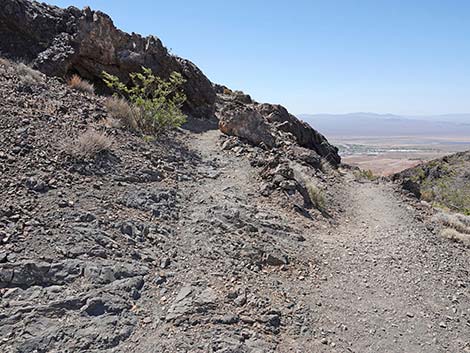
(151, 236)
(445, 182)
(201, 242)
(62, 42)
(246, 238)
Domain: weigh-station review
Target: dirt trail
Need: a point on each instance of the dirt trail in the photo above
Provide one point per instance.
(390, 285)
(377, 282)
(387, 284)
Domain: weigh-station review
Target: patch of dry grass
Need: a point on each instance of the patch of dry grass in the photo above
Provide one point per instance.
(454, 235)
(5, 62)
(78, 84)
(89, 144)
(456, 221)
(317, 197)
(26, 74)
(456, 227)
(121, 111)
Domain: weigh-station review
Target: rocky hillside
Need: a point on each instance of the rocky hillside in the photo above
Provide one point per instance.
(445, 182)
(240, 232)
(158, 237)
(62, 42)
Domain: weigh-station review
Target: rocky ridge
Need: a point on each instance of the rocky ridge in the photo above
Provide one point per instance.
(107, 243)
(206, 240)
(62, 42)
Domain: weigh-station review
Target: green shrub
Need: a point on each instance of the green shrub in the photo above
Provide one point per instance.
(156, 102)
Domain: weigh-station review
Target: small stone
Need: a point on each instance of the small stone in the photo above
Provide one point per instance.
(160, 280)
(165, 262)
(128, 229)
(442, 324)
(409, 314)
(275, 260)
(228, 319)
(87, 217)
(147, 320)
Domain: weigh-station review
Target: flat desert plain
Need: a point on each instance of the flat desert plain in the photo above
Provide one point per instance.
(387, 155)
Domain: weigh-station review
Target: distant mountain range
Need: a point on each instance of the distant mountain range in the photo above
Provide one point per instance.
(376, 125)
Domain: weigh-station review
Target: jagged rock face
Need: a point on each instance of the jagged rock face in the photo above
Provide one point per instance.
(305, 135)
(247, 123)
(61, 42)
(269, 124)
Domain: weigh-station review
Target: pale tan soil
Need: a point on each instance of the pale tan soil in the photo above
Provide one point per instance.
(382, 165)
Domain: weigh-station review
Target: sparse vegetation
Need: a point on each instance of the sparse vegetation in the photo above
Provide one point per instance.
(317, 197)
(455, 227)
(155, 103)
(121, 110)
(362, 174)
(26, 74)
(78, 84)
(89, 145)
(441, 182)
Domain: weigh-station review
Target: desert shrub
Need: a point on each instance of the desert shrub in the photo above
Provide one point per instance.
(89, 144)
(5, 66)
(317, 196)
(121, 110)
(368, 174)
(362, 174)
(427, 195)
(78, 84)
(457, 222)
(27, 75)
(455, 235)
(156, 102)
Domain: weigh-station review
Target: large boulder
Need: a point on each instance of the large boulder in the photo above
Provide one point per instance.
(271, 124)
(245, 122)
(62, 42)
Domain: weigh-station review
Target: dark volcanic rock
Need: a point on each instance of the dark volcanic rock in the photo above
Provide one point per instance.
(62, 42)
(305, 135)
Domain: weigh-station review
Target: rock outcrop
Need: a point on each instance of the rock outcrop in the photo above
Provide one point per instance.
(61, 42)
(247, 123)
(268, 124)
(443, 181)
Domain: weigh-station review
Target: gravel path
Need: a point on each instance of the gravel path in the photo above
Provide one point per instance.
(385, 282)
(389, 284)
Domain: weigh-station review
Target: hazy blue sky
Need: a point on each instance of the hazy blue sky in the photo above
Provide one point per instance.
(399, 56)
